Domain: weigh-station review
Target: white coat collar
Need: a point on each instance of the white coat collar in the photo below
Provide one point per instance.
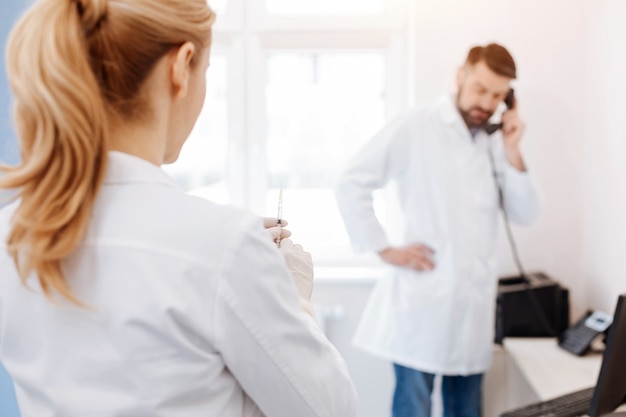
(126, 168)
(450, 115)
(448, 110)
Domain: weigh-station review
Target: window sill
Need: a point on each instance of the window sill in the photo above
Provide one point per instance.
(349, 275)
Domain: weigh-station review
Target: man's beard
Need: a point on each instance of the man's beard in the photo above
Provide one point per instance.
(473, 122)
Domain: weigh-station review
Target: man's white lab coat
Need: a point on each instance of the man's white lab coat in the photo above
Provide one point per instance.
(439, 321)
(192, 313)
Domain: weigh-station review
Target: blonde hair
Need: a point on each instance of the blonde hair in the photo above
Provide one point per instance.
(73, 66)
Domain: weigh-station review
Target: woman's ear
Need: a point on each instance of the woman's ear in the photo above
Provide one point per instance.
(181, 69)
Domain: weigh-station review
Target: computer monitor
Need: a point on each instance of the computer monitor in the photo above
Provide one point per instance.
(610, 390)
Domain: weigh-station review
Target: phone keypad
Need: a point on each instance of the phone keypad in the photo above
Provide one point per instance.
(578, 339)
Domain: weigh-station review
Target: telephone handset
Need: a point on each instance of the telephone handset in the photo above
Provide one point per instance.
(578, 338)
(509, 101)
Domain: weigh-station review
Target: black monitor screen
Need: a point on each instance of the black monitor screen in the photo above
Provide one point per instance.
(610, 391)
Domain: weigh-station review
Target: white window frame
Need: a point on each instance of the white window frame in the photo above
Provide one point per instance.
(392, 45)
(245, 33)
(392, 17)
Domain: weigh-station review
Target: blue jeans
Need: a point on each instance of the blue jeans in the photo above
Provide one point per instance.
(461, 395)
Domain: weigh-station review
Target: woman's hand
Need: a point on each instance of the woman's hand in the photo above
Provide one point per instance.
(300, 265)
(277, 231)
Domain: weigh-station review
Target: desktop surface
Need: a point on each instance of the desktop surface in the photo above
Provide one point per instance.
(549, 370)
(608, 391)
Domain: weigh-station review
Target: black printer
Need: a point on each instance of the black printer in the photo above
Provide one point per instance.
(533, 305)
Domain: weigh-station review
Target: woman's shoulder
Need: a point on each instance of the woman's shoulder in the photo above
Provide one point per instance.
(205, 229)
(169, 221)
(202, 212)
(200, 217)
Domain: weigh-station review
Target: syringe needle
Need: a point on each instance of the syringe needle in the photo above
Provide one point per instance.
(280, 215)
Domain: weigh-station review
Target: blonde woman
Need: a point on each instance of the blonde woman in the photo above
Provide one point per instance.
(119, 294)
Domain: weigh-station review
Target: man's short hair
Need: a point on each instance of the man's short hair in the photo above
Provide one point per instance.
(497, 58)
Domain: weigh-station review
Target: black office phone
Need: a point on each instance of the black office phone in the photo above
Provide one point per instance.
(578, 338)
(509, 101)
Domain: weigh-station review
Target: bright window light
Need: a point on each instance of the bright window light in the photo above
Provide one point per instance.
(321, 7)
(201, 165)
(321, 107)
(218, 6)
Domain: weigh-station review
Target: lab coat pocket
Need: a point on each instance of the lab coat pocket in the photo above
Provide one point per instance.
(414, 289)
(483, 272)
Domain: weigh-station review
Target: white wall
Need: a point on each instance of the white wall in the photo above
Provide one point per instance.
(604, 214)
(546, 38)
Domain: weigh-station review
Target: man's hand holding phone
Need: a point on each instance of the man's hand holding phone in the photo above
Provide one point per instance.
(512, 130)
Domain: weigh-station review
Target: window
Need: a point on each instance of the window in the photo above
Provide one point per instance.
(321, 7)
(201, 165)
(320, 107)
(295, 88)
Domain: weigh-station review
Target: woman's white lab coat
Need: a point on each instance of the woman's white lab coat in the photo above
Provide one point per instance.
(440, 321)
(192, 312)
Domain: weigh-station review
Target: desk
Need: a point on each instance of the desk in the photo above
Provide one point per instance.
(549, 370)
(529, 370)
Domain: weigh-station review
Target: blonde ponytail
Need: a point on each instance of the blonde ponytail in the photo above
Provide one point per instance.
(72, 66)
(60, 120)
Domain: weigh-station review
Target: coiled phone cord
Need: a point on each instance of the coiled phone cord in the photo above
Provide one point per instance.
(507, 225)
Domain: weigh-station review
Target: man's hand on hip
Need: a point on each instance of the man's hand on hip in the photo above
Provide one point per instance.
(417, 256)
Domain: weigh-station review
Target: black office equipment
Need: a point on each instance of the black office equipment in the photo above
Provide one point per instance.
(531, 306)
(570, 405)
(610, 390)
(578, 338)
